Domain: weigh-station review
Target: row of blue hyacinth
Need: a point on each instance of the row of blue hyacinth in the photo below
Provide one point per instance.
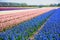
(51, 30)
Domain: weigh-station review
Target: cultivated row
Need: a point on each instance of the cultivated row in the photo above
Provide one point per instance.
(9, 20)
(51, 30)
(26, 29)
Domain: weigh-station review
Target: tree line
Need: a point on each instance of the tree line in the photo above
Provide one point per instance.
(9, 4)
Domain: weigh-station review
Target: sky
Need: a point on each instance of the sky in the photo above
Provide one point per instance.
(33, 2)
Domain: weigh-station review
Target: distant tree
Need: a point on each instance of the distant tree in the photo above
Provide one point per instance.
(23, 4)
(58, 4)
(9, 4)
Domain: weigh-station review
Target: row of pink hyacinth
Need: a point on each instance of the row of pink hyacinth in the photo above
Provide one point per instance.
(13, 19)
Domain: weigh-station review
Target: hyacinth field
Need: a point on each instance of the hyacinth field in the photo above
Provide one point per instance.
(37, 24)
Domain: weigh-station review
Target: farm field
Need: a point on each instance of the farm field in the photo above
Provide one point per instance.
(51, 29)
(30, 24)
(18, 8)
(11, 8)
(8, 20)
